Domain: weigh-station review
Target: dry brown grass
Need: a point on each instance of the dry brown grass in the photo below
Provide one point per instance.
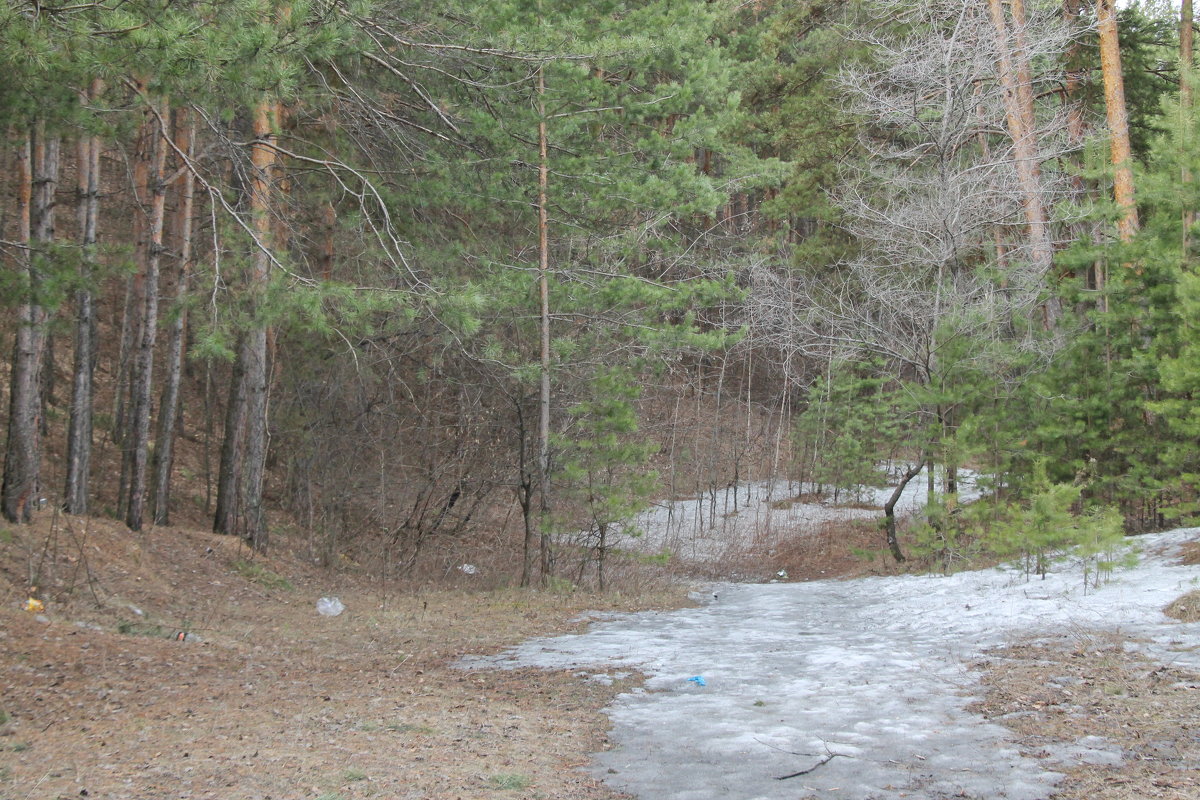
(275, 701)
(841, 548)
(1185, 608)
(1190, 553)
(1055, 692)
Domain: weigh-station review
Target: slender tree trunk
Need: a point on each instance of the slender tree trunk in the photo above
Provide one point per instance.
(76, 489)
(263, 157)
(1073, 82)
(135, 305)
(889, 509)
(22, 458)
(153, 202)
(601, 553)
(1118, 119)
(228, 507)
(243, 458)
(328, 242)
(544, 293)
(1017, 81)
(1187, 38)
(526, 495)
(129, 312)
(1186, 68)
(254, 528)
(168, 407)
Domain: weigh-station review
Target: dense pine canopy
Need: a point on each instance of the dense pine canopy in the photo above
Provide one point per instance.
(421, 276)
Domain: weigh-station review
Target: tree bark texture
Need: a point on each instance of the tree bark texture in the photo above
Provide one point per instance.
(243, 460)
(1118, 119)
(22, 457)
(153, 202)
(1016, 78)
(77, 483)
(889, 509)
(227, 507)
(1186, 68)
(168, 407)
(544, 293)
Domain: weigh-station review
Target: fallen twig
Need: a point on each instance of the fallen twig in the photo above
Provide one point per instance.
(813, 768)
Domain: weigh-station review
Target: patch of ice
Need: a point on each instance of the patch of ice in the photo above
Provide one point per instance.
(873, 670)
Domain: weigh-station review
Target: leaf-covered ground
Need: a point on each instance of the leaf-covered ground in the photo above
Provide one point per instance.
(264, 698)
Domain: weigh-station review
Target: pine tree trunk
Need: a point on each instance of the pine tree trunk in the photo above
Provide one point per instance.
(264, 172)
(526, 494)
(1187, 38)
(1017, 81)
(168, 407)
(125, 419)
(22, 456)
(253, 523)
(227, 508)
(1186, 67)
(76, 490)
(243, 456)
(544, 294)
(1118, 119)
(153, 201)
(129, 312)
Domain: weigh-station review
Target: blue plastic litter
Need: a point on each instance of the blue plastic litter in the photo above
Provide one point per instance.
(698, 680)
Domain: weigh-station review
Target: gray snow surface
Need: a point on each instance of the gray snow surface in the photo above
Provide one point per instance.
(869, 676)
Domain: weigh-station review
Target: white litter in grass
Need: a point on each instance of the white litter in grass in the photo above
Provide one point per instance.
(864, 682)
(330, 606)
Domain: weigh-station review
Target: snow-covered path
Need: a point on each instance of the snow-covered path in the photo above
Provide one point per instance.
(873, 670)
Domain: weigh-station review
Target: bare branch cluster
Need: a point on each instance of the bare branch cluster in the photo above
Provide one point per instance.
(938, 203)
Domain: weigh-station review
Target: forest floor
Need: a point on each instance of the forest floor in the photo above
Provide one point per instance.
(265, 698)
(176, 664)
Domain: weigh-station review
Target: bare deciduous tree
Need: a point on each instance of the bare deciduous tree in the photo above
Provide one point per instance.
(950, 205)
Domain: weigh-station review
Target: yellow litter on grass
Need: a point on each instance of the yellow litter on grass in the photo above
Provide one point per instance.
(34, 605)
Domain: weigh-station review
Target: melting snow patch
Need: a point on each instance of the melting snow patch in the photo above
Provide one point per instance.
(870, 671)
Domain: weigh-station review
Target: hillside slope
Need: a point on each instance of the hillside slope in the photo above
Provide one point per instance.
(176, 664)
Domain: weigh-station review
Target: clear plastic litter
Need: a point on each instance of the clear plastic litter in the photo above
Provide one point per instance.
(330, 607)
